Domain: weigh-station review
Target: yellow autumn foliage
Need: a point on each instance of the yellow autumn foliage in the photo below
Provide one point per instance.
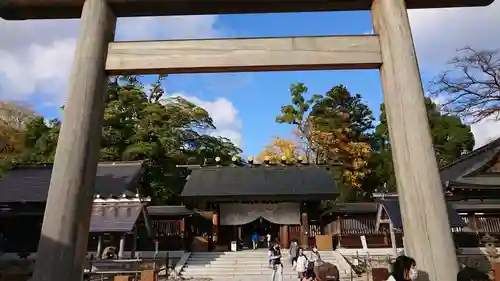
(278, 148)
(336, 146)
(11, 141)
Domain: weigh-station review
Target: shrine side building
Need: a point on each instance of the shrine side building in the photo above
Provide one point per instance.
(118, 213)
(472, 189)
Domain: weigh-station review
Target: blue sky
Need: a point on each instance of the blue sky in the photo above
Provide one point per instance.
(244, 104)
(259, 96)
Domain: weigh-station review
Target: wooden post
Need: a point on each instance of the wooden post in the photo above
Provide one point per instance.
(63, 241)
(134, 242)
(285, 241)
(427, 229)
(305, 230)
(393, 239)
(121, 248)
(99, 246)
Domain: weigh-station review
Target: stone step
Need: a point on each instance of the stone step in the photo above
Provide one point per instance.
(250, 253)
(241, 264)
(212, 256)
(234, 272)
(216, 277)
(238, 268)
(267, 277)
(262, 264)
(233, 262)
(248, 276)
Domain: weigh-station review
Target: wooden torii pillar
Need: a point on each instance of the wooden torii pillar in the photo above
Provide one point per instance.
(63, 241)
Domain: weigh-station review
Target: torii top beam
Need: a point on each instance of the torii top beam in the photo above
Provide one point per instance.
(61, 9)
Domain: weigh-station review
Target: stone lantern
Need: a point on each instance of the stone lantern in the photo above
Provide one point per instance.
(490, 245)
(491, 252)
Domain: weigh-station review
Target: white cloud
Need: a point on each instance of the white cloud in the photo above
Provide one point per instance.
(36, 56)
(224, 114)
(485, 131)
(439, 33)
(40, 68)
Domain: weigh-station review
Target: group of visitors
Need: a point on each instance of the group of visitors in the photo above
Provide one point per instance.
(312, 267)
(405, 269)
(256, 239)
(308, 267)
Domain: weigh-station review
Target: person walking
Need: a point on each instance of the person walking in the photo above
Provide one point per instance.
(294, 248)
(255, 241)
(315, 258)
(268, 239)
(276, 263)
(301, 266)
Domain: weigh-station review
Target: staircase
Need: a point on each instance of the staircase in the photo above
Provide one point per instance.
(242, 265)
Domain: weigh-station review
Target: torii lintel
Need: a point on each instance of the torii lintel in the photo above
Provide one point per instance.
(63, 9)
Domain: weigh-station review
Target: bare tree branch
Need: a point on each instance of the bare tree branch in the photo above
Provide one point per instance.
(470, 89)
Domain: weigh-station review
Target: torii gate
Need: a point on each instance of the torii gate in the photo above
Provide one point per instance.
(67, 215)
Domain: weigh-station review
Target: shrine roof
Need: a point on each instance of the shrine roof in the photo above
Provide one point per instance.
(54, 9)
(476, 205)
(392, 208)
(352, 208)
(471, 171)
(31, 183)
(164, 210)
(294, 183)
(114, 217)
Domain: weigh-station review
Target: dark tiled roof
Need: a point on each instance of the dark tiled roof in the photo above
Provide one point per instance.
(301, 182)
(114, 217)
(352, 208)
(169, 211)
(471, 162)
(392, 208)
(478, 206)
(484, 181)
(31, 184)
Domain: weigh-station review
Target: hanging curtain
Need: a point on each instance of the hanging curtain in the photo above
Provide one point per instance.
(239, 214)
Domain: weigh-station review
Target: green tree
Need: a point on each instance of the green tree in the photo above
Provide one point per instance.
(334, 127)
(144, 125)
(451, 139)
(40, 140)
(297, 113)
(13, 119)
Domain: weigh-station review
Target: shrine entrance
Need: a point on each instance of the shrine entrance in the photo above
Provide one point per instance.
(260, 226)
(239, 221)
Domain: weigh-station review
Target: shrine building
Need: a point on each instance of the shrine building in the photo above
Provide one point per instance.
(281, 200)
